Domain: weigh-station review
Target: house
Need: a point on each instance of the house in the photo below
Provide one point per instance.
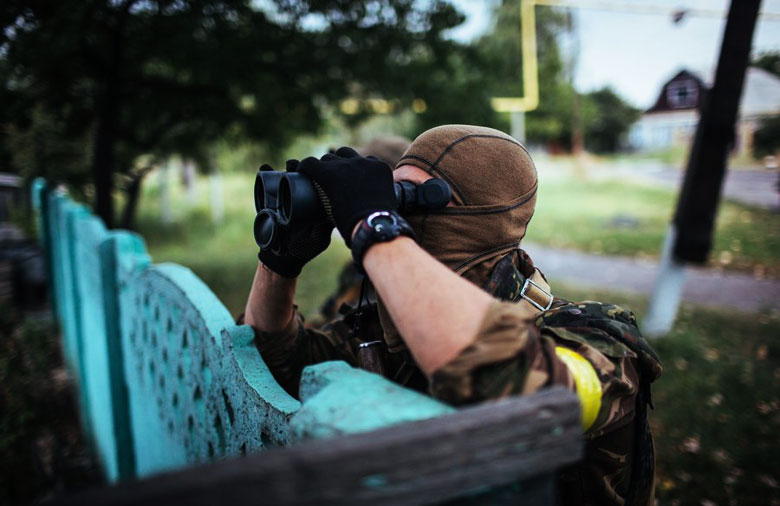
(671, 122)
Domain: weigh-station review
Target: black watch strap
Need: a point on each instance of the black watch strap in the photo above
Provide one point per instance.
(380, 226)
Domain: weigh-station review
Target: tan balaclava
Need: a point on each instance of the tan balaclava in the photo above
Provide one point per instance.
(493, 183)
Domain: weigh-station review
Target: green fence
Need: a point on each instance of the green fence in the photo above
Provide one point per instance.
(165, 377)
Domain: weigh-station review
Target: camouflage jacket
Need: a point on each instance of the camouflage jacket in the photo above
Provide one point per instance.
(517, 355)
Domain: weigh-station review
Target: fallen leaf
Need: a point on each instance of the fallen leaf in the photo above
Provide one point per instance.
(691, 444)
(722, 456)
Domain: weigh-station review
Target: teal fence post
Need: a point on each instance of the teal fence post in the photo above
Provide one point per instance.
(40, 199)
(69, 262)
(117, 247)
(55, 202)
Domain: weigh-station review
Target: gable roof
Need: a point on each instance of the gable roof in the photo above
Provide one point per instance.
(760, 95)
(663, 102)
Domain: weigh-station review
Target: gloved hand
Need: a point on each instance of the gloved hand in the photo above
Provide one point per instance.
(299, 246)
(350, 187)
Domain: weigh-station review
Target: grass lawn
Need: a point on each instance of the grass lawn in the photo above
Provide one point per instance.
(623, 218)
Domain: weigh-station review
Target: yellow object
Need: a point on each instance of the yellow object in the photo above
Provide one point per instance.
(588, 384)
(530, 68)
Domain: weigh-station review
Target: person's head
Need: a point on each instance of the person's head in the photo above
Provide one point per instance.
(493, 182)
(388, 148)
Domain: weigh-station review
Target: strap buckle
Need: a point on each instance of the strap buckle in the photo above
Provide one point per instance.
(532, 301)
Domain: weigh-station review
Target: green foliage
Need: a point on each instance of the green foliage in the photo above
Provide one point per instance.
(500, 52)
(46, 148)
(607, 119)
(161, 77)
(766, 140)
(458, 92)
(769, 61)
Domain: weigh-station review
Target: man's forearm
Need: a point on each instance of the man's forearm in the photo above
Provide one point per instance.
(270, 304)
(437, 312)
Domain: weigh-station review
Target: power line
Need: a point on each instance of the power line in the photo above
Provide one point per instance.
(639, 8)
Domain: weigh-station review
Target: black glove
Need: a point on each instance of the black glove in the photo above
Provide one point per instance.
(299, 246)
(350, 186)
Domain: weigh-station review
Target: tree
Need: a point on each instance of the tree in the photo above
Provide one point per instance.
(607, 120)
(766, 141)
(154, 77)
(769, 61)
(501, 53)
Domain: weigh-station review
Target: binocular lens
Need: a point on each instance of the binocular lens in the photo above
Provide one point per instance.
(298, 189)
(266, 188)
(266, 229)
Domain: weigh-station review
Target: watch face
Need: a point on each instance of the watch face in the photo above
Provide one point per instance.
(382, 223)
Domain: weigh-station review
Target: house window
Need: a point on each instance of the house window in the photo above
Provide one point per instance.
(682, 94)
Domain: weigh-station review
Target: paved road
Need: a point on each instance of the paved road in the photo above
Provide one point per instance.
(703, 286)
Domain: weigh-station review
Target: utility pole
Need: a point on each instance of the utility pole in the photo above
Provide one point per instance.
(689, 237)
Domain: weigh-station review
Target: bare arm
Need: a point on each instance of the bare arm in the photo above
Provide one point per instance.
(437, 311)
(270, 304)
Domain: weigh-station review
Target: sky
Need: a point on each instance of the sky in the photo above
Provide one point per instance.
(636, 53)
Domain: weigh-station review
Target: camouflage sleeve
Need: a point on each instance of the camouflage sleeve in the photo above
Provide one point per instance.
(512, 356)
(286, 353)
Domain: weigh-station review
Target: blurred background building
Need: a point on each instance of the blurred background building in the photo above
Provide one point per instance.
(671, 121)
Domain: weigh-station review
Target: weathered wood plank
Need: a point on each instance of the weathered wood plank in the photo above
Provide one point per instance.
(430, 461)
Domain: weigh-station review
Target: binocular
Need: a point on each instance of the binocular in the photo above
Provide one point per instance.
(288, 200)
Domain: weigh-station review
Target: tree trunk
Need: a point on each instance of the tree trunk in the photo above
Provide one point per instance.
(132, 193)
(103, 162)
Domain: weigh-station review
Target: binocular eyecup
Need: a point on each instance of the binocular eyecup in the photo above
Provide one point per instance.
(431, 195)
(267, 229)
(287, 200)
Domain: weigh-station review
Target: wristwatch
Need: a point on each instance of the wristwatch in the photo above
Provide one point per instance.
(380, 226)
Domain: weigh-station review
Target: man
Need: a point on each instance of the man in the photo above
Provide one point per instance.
(463, 311)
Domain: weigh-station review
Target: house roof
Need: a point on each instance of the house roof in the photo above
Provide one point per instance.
(662, 103)
(760, 95)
